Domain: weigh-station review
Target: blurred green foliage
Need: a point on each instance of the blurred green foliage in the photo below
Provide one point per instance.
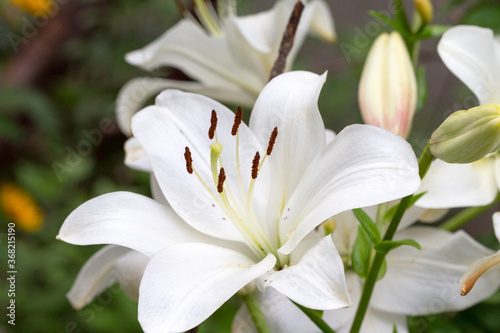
(42, 123)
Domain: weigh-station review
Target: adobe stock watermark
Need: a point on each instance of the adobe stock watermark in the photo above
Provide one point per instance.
(84, 148)
(31, 26)
(11, 273)
(362, 37)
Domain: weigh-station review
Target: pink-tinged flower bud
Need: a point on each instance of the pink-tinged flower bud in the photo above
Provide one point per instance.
(388, 88)
(467, 136)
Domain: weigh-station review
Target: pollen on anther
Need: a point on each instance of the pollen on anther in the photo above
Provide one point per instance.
(255, 165)
(213, 125)
(237, 121)
(189, 160)
(272, 141)
(222, 178)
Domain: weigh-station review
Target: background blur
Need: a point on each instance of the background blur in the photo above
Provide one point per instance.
(59, 77)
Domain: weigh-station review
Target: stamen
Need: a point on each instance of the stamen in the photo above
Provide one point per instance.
(222, 178)
(272, 140)
(237, 121)
(213, 125)
(189, 160)
(255, 165)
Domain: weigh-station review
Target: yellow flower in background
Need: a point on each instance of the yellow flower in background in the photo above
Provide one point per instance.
(35, 7)
(20, 207)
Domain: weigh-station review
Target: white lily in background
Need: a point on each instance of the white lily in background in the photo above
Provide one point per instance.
(480, 266)
(231, 62)
(473, 55)
(417, 282)
(237, 218)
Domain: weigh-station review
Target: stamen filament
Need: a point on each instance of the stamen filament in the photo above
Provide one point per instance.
(207, 18)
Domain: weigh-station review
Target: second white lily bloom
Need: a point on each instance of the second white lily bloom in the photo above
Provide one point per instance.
(238, 218)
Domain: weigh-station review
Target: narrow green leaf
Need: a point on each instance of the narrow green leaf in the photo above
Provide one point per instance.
(396, 25)
(386, 246)
(390, 212)
(368, 225)
(401, 16)
(361, 253)
(382, 271)
(394, 328)
(421, 87)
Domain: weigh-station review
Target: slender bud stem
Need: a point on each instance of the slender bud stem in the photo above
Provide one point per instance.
(255, 310)
(315, 318)
(423, 163)
(467, 215)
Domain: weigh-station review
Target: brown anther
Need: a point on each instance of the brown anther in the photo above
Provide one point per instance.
(272, 141)
(189, 160)
(255, 165)
(213, 125)
(237, 121)
(222, 178)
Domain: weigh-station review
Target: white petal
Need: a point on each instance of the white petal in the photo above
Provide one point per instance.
(95, 276)
(457, 185)
(129, 220)
(156, 192)
(496, 224)
(496, 170)
(289, 102)
(136, 157)
(363, 166)
(129, 270)
(205, 58)
(473, 55)
(421, 282)
(281, 315)
(182, 120)
(184, 284)
(317, 281)
(329, 135)
(317, 19)
(136, 92)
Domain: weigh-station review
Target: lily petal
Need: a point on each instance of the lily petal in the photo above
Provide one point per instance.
(288, 102)
(363, 166)
(136, 92)
(458, 185)
(429, 277)
(182, 120)
(184, 284)
(136, 157)
(95, 276)
(188, 47)
(317, 281)
(473, 55)
(129, 270)
(118, 218)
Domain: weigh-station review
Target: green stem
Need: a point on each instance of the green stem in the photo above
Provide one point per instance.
(467, 215)
(316, 318)
(423, 163)
(255, 310)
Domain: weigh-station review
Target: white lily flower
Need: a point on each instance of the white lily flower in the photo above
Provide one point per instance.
(480, 266)
(231, 66)
(473, 55)
(235, 218)
(417, 282)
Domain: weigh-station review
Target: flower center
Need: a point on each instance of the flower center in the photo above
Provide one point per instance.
(240, 212)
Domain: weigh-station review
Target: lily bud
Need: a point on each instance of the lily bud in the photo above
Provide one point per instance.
(467, 136)
(388, 88)
(425, 10)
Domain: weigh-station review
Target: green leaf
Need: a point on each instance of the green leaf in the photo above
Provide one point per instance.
(421, 87)
(382, 271)
(368, 225)
(361, 253)
(394, 328)
(386, 246)
(401, 16)
(391, 211)
(396, 25)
